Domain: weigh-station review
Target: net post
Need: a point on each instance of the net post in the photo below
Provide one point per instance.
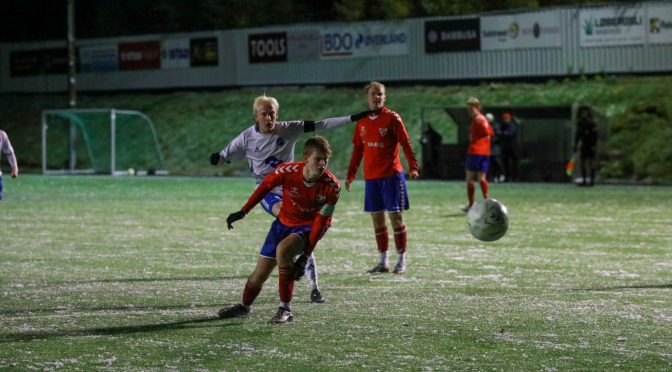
(44, 142)
(113, 150)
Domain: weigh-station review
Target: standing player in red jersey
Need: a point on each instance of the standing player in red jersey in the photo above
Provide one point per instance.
(376, 139)
(309, 193)
(478, 153)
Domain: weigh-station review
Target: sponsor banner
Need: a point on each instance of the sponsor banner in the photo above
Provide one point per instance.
(98, 58)
(143, 55)
(303, 46)
(621, 25)
(204, 52)
(175, 53)
(38, 62)
(266, 48)
(659, 24)
(452, 35)
(364, 40)
(528, 30)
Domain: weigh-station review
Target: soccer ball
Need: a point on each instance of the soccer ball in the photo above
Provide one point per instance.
(131, 172)
(488, 220)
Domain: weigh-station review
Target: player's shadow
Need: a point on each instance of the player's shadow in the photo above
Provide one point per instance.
(111, 331)
(141, 280)
(631, 286)
(53, 310)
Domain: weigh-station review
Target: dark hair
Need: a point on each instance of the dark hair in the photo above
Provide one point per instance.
(317, 143)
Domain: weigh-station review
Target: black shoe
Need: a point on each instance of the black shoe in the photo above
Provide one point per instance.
(399, 268)
(316, 296)
(380, 268)
(282, 316)
(234, 311)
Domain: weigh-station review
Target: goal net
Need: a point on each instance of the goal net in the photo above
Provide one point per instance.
(100, 141)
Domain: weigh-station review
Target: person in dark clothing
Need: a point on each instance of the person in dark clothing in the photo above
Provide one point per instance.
(586, 138)
(495, 170)
(507, 138)
(431, 152)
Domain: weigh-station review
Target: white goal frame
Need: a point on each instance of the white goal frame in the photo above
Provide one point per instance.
(113, 129)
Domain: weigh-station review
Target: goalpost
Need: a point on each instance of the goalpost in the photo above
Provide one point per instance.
(100, 141)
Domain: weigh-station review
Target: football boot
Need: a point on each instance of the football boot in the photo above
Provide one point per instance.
(380, 268)
(234, 311)
(282, 316)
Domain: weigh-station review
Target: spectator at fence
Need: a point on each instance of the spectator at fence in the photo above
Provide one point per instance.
(431, 152)
(495, 168)
(507, 138)
(585, 142)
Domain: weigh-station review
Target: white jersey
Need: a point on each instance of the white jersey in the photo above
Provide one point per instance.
(6, 148)
(264, 152)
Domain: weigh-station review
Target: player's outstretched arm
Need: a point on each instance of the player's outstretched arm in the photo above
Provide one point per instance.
(361, 115)
(328, 123)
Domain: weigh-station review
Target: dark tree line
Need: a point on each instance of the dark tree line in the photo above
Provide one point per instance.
(24, 20)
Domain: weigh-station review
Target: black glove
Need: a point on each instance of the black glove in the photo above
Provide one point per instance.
(362, 115)
(233, 217)
(214, 158)
(300, 267)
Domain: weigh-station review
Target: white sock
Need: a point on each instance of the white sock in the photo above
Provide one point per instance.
(401, 258)
(286, 305)
(383, 259)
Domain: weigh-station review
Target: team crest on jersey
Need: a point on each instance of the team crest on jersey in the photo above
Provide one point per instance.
(362, 131)
(280, 141)
(383, 131)
(256, 149)
(294, 192)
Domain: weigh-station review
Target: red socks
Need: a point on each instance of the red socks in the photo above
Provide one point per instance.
(250, 293)
(400, 238)
(470, 192)
(484, 188)
(285, 284)
(382, 239)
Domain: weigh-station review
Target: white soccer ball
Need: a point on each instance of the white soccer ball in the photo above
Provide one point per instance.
(488, 220)
(131, 172)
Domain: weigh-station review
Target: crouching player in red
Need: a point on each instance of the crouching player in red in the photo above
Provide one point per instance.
(310, 193)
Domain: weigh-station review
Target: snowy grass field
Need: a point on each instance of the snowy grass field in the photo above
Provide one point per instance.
(128, 274)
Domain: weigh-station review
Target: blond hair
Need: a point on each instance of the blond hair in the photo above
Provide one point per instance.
(374, 84)
(473, 101)
(261, 100)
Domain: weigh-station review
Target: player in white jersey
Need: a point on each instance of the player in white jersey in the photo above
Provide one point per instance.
(6, 148)
(269, 143)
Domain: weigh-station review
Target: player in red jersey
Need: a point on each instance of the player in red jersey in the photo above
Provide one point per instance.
(376, 139)
(478, 153)
(309, 193)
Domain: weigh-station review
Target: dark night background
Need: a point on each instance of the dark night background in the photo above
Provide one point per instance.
(31, 20)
